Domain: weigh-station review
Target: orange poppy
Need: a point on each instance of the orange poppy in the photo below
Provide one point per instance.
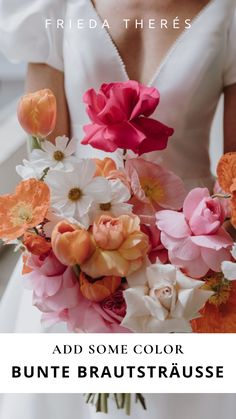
(36, 244)
(219, 313)
(24, 209)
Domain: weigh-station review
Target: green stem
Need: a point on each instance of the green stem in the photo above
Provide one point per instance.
(127, 403)
(34, 143)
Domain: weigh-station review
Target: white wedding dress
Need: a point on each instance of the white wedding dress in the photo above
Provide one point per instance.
(190, 79)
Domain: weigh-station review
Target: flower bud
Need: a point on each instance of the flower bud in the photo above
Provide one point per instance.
(100, 289)
(37, 113)
(71, 244)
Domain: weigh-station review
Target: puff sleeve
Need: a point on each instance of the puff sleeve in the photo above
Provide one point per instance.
(23, 32)
(230, 56)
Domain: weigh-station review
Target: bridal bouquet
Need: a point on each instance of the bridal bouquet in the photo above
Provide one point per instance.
(118, 245)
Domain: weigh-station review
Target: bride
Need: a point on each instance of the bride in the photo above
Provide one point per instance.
(191, 65)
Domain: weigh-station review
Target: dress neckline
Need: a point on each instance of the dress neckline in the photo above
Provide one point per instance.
(169, 51)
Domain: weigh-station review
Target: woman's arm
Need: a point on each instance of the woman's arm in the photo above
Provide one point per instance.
(230, 118)
(40, 76)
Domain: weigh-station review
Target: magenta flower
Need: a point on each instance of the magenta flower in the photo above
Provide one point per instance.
(195, 238)
(120, 118)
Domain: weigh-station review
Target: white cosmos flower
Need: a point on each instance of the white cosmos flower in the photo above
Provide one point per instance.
(115, 203)
(29, 170)
(73, 192)
(55, 156)
(229, 268)
(161, 299)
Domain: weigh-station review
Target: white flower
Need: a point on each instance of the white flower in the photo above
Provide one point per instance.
(58, 156)
(73, 193)
(115, 204)
(29, 170)
(229, 268)
(161, 299)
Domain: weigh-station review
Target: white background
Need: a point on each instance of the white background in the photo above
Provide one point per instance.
(36, 349)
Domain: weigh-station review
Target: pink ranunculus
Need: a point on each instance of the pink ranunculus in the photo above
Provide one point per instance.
(54, 285)
(120, 118)
(153, 188)
(90, 317)
(65, 297)
(195, 238)
(115, 305)
(157, 250)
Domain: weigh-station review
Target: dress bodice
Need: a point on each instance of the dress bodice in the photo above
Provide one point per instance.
(190, 78)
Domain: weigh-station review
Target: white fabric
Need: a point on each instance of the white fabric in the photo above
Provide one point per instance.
(190, 79)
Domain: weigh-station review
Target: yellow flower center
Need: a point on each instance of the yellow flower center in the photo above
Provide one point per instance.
(21, 213)
(75, 194)
(152, 189)
(221, 288)
(105, 207)
(58, 155)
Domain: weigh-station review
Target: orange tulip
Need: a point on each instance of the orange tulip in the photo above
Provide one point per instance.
(36, 244)
(104, 167)
(24, 209)
(37, 113)
(100, 289)
(71, 244)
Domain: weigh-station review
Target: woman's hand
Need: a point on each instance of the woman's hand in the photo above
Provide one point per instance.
(41, 76)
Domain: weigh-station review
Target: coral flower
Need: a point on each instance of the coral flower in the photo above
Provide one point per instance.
(36, 244)
(24, 209)
(37, 113)
(121, 247)
(72, 244)
(100, 289)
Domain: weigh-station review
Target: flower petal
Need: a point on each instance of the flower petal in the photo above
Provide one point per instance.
(173, 223)
(193, 199)
(229, 270)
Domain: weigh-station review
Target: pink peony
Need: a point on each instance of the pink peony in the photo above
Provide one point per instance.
(195, 238)
(92, 317)
(120, 118)
(54, 285)
(46, 264)
(153, 188)
(89, 317)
